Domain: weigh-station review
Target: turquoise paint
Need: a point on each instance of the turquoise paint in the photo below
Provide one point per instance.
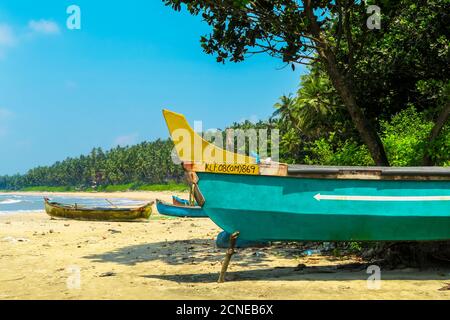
(284, 208)
(223, 241)
(180, 211)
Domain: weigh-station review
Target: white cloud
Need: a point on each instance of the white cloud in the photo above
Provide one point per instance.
(126, 140)
(5, 113)
(44, 26)
(7, 37)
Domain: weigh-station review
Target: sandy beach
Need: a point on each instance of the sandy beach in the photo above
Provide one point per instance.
(171, 258)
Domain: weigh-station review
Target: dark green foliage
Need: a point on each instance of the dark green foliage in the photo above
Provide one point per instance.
(407, 61)
(404, 137)
(359, 77)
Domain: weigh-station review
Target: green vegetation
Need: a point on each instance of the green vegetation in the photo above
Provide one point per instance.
(146, 166)
(176, 187)
(400, 76)
(405, 138)
(359, 77)
(180, 187)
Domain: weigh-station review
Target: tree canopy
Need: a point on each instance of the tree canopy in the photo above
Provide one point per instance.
(362, 65)
(145, 163)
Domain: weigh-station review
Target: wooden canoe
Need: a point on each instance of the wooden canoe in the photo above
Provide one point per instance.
(79, 212)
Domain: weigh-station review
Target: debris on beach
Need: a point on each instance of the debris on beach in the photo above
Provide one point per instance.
(107, 274)
(310, 252)
(14, 240)
(302, 268)
(445, 288)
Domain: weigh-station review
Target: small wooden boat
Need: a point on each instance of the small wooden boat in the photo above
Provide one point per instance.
(177, 210)
(80, 212)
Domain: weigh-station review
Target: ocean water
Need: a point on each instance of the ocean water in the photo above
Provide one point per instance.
(25, 203)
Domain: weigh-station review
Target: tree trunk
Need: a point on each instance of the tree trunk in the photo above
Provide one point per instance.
(440, 122)
(366, 131)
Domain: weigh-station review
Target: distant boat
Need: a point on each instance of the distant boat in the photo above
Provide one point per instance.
(277, 202)
(177, 210)
(80, 212)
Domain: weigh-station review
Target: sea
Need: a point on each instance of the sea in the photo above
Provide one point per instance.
(33, 203)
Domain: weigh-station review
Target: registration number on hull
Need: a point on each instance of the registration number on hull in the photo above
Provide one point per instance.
(249, 169)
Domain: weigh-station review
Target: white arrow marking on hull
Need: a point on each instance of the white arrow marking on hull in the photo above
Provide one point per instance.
(319, 197)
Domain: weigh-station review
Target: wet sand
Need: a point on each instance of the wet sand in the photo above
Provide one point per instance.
(171, 258)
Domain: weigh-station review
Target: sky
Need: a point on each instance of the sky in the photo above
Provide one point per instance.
(64, 91)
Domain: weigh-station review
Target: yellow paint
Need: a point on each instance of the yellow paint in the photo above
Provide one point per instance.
(191, 147)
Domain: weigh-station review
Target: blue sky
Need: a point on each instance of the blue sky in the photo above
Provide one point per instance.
(63, 92)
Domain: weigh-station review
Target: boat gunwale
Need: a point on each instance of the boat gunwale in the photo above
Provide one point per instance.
(336, 172)
(388, 171)
(165, 203)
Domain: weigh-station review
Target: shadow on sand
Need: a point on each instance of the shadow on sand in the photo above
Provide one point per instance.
(322, 273)
(178, 252)
(201, 251)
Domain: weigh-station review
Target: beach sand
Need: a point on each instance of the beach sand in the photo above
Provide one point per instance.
(171, 258)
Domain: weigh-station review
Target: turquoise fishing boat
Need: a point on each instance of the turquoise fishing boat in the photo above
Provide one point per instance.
(276, 202)
(306, 207)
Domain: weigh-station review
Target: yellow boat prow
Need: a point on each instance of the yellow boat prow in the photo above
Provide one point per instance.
(191, 147)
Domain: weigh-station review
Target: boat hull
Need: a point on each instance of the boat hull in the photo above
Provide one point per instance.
(292, 208)
(171, 210)
(92, 214)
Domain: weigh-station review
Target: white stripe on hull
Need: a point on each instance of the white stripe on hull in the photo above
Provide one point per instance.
(320, 197)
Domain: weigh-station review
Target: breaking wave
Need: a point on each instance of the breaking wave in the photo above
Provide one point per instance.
(10, 201)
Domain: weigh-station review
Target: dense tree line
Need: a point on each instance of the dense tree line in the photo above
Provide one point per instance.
(145, 163)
